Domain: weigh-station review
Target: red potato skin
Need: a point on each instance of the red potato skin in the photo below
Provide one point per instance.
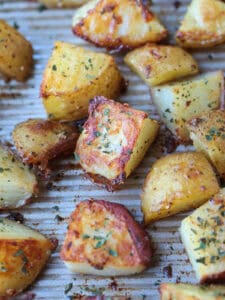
(214, 279)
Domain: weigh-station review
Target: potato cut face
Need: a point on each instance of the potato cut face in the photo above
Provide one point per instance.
(180, 101)
(39, 141)
(104, 239)
(117, 24)
(202, 234)
(17, 183)
(15, 54)
(203, 25)
(23, 253)
(176, 183)
(181, 291)
(73, 76)
(157, 64)
(114, 141)
(63, 3)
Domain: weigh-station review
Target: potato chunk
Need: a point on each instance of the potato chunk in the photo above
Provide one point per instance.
(203, 235)
(63, 3)
(23, 254)
(180, 101)
(17, 183)
(38, 141)
(157, 64)
(74, 76)
(181, 291)
(176, 183)
(114, 141)
(203, 25)
(117, 24)
(104, 239)
(16, 52)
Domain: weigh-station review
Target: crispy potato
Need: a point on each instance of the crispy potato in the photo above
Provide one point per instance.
(176, 183)
(63, 3)
(23, 253)
(181, 291)
(203, 236)
(180, 101)
(74, 76)
(114, 141)
(203, 25)
(117, 24)
(157, 64)
(16, 52)
(38, 141)
(104, 239)
(17, 183)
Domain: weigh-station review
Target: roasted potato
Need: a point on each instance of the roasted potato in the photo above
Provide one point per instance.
(180, 101)
(23, 253)
(114, 141)
(176, 183)
(38, 141)
(74, 76)
(203, 25)
(17, 183)
(16, 52)
(181, 291)
(117, 24)
(63, 3)
(104, 239)
(157, 64)
(203, 235)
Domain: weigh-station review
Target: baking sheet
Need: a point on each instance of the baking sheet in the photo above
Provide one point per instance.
(59, 196)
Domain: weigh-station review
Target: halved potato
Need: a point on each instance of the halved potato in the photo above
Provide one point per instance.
(157, 64)
(23, 254)
(203, 235)
(176, 183)
(38, 141)
(117, 24)
(16, 52)
(180, 101)
(17, 182)
(203, 25)
(63, 3)
(73, 76)
(104, 239)
(114, 141)
(182, 291)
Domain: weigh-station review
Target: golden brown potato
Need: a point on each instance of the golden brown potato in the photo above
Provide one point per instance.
(157, 64)
(117, 24)
(38, 141)
(114, 141)
(16, 52)
(203, 235)
(63, 3)
(180, 101)
(203, 25)
(176, 183)
(104, 239)
(23, 254)
(74, 76)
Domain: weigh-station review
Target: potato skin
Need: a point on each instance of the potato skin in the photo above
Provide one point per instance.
(16, 52)
(104, 239)
(62, 3)
(176, 183)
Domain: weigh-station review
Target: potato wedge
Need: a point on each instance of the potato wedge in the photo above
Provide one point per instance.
(23, 254)
(114, 141)
(157, 64)
(180, 101)
(17, 183)
(176, 183)
(74, 76)
(38, 141)
(104, 239)
(203, 25)
(63, 3)
(203, 236)
(182, 291)
(16, 52)
(117, 24)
